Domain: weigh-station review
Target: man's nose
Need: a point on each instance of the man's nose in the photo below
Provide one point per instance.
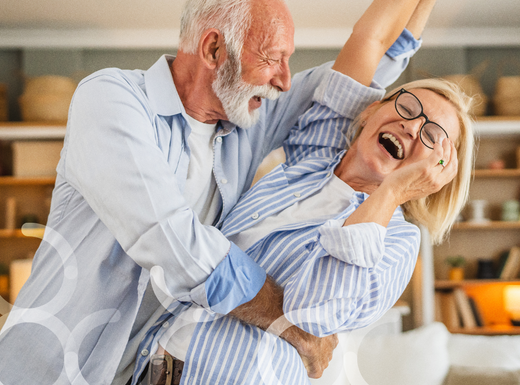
(282, 79)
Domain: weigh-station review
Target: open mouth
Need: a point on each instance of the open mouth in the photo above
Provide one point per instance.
(392, 145)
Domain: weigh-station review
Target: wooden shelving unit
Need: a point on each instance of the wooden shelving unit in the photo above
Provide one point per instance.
(32, 194)
(31, 131)
(491, 225)
(447, 284)
(499, 138)
(14, 181)
(489, 330)
(505, 173)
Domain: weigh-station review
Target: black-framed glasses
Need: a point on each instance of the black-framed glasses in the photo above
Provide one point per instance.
(409, 107)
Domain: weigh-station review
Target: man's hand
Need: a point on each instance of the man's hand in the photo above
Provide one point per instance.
(316, 354)
(266, 312)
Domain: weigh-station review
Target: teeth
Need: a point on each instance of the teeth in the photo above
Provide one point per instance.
(394, 140)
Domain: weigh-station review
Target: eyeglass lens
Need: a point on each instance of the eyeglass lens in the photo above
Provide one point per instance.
(409, 108)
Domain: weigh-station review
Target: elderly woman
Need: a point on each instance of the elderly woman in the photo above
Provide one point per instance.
(332, 225)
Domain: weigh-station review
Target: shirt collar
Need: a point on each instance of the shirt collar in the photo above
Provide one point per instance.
(160, 88)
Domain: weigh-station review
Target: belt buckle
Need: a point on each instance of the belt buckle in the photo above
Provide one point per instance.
(164, 369)
(160, 371)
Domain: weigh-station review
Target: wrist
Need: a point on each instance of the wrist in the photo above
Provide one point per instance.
(389, 193)
(300, 339)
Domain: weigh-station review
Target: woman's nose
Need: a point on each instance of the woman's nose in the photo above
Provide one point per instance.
(413, 127)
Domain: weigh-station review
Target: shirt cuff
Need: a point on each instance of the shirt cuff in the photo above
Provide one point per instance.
(235, 281)
(361, 244)
(405, 43)
(346, 96)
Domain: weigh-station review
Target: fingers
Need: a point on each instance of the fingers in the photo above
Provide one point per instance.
(441, 154)
(322, 351)
(448, 169)
(444, 154)
(452, 167)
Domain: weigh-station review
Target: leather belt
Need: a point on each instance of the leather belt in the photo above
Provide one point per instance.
(164, 369)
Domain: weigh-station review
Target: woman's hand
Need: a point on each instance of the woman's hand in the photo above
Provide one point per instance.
(424, 177)
(414, 181)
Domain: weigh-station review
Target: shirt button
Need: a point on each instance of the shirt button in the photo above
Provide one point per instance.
(329, 174)
(145, 352)
(255, 216)
(224, 181)
(219, 139)
(297, 195)
(166, 324)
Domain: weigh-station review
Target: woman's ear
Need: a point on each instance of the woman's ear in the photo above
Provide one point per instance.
(372, 108)
(368, 111)
(212, 49)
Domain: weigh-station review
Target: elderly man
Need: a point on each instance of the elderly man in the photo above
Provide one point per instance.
(137, 196)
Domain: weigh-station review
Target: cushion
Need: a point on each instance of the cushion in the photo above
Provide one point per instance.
(485, 351)
(419, 356)
(464, 375)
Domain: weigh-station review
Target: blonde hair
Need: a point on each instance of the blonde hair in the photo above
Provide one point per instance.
(439, 211)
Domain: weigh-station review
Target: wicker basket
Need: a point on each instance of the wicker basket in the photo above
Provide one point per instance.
(507, 96)
(49, 84)
(45, 108)
(47, 99)
(471, 87)
(506, 100)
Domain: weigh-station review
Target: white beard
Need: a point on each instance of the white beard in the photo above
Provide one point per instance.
(235, 94)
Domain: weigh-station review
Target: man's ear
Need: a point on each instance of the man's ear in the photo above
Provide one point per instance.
(212, 49)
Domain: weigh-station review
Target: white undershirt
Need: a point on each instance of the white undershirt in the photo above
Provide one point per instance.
(333, 198)
(200, 191)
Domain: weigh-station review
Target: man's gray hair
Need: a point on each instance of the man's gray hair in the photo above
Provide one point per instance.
(231, 17)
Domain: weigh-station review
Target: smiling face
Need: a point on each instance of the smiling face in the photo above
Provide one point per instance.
(235, 95)
(263, 70)
(389, 142)
(268, 46)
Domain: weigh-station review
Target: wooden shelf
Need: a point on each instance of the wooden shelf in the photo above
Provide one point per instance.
(19, 181)
(447, 284)
(504, 173)
(31, 131)
(18, 233)
(493, 330)
(491, 225)
(494, 126)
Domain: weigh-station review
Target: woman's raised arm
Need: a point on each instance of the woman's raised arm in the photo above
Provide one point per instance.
(375, 32)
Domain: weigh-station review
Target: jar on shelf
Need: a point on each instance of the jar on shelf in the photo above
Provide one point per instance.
(456, 271)
(510, 211)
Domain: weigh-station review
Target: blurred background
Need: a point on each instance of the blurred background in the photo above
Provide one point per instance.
(74, 38)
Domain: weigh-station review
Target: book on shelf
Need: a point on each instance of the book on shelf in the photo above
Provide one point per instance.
(446, 310)
(476, 312)
(509, 265)
(457, 310)
(464, 308)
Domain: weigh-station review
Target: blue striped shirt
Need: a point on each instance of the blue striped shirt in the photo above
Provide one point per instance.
(300, 145)
(335, 278)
